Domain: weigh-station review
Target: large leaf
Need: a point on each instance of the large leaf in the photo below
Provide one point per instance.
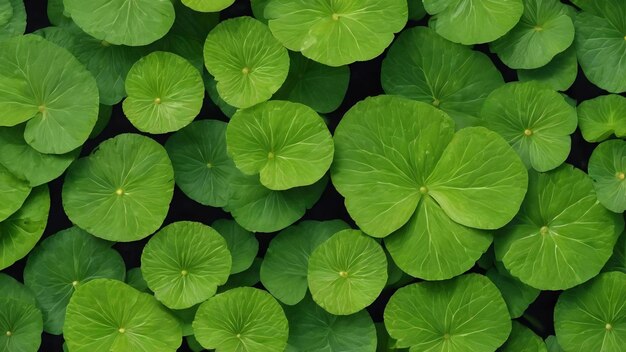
(11, 288)
(607, 168)
(423, 66)
(517, 295)
(184, 263)
(107, 315)
(336, 33)
(122, 191)
(592, 317)
(287, 144)
(601, 117)
(208, 5)
(242, 245)
(63, 262)
(562, 236)
(558, 74)
(535, 120)
(122, 22)
(21, 325)
(286, 263)
(242, 319)
(248, 63)
(347, 272)
(13, 192)
(22, 230)
(165, 93)
(40, 84)
(465, 314)
(544, 30)
(473, 22)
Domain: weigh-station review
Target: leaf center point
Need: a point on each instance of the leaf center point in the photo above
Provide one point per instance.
(9, 333)
(75, 283)
(184, 272)
(157, 101)
(209, 165)
(343, 274)
(538, 28)
(119, 192)
(446, 336)
(436, 102)
(335, 17)
(121, 330)
(105, 43)
(608, 327)
(621, 176)
(245, 70)
(544, 230)
(270, 155)
(423, 190)
(528, 132)
(238, 336)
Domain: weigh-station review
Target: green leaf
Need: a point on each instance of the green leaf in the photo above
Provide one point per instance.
(553, 344)
(562, 236)
(311, 328)
(523, 339)
(248, 63)
(287, 144)
(544, 31)
(260, 209)
(185, 318)
(600, 44)
(423, 66)
(285, 265)
(189, 48)
(22, 230)
(108, 315)
(258, 9)
(21, 325)
(320, 87)
(122, 22)
(242, 245)
(536, 121)
(134, 278)
(122, 191)
(193, 24)
(242, 319)
(336, 33)
(201, 166)
(6, 12)
(347, 272)
(16, 25)
(104, 116)
(208, 5)
(558, 74)
(211, 88)
(601, 117)
(13, 192)
(63, 262)
(472, 22)
(165, 93)
(617, 262)
(28, 164)
(607, 168)
(56, 13)
(516, 294)
(416, 10)
(184, 263)
(13, 289)
(42, 83)
(465, 314)
(592, 316)
(248, 278)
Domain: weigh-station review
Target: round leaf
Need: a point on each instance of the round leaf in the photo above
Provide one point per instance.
(122, 191)
(607, 168)
(562, 236)
(208, 5)
(601, 117)
(243, 319)
(28, 164)
(201, 166)
(544, 30)
(285, 265)
(347, 272)
(465, 314)
(43, 81)
(22, 230)
(60, 264)
(336, 33)
(592, 317)
(184, 263)
(13, 192)
(122, 22)
(107, 315)
(472, 22)
(423, 66)
(288, 144)
(248, 63)
(242, 245)
(523, 339)
(165, 93)
(311, 328)
(558, 74)
(21, 326)
(536, 121)
(13, 289)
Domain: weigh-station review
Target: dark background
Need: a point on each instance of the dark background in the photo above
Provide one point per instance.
(364, 82)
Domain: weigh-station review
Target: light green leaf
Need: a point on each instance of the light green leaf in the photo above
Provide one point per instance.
(553, 344)
(242, 245)
(16, 25)
(63, 262)
(248, 278)
(473, 22)
(336, 33)
(122, 22)
(287, 144)
(562, 236)
(617, 262)
(607, 168)
(134, 278)
(601, 117)
(536, 121)
(347, 272)
(208, 5)
(21, 325)
(423, 66)
(13, 289)
(6, 11)
(523, 339)
(558, 74)
(122, 191)
(108, 315)
(516, 294)
(248, 63)
(13, 193)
